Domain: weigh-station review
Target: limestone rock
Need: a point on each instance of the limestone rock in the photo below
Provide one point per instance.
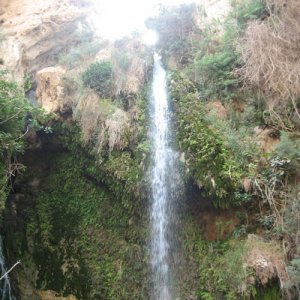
(49, 91)
(36, 32)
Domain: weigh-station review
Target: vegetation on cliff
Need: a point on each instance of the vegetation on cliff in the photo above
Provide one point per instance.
(237, 123)
(17, 118)
(77, 215)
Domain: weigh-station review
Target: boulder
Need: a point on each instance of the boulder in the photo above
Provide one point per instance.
(49, 93)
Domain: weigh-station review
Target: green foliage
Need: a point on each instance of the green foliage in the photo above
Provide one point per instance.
(217, 56)
(220, 271)
(288, 150)
(214, 73)
(120, 171)
(81, 237)
(209, 160)
(270, 292)
(14, 109)
(27, 83)
(99, 78)
(247, 10)
(239, 139)
(17, 117)
(124, 176)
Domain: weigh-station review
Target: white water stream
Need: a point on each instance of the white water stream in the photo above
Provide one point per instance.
(164, 183)
(5, 290)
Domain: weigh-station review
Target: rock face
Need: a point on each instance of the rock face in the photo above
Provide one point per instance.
(36, 32)
(49, 91)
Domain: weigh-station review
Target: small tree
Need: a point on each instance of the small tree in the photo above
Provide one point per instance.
(98, 77)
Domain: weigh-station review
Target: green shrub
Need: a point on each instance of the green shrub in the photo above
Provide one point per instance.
(208, 158)
(247, 10)
(217, 56)
(98, 77)
(288, 150)
(17, 116)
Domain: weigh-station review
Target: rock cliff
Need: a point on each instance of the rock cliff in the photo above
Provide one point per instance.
(36, 32)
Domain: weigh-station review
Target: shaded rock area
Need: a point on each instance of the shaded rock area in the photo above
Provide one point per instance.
(214, 224)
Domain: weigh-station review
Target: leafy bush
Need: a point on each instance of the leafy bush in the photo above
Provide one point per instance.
(209, 160)
(217, 57)
(239, 140)
(17, 116)
(98, 77)
(247, 10)
(288, 150)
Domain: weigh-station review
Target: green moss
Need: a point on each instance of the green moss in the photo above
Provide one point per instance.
(209, 160)
(215, 269)
(76, 230)
(17, 117)
(271, 292)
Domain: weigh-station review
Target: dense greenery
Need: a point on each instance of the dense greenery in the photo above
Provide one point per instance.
(98, 77)
(228, 129)
(209, 161)
(17, 117)
(79, 235)
(78, 218)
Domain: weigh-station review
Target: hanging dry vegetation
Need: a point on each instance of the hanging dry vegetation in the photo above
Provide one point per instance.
(102, 123)
(270, 51)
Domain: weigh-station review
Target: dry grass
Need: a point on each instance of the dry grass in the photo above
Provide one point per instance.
(266, 260)
(102, 123)
(270, 51)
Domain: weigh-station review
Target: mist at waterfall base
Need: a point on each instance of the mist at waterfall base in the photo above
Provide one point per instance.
(5, 289)
(165, 188)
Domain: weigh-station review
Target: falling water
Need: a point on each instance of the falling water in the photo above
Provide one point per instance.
(164, 183)
(5, 290)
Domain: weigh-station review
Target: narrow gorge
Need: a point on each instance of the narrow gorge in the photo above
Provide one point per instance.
(160, 163)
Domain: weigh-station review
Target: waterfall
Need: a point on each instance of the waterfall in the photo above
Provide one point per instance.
(164, 185)
(5, 290)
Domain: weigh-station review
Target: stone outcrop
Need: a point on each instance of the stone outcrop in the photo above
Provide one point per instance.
(49, 93)
(36, 33)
